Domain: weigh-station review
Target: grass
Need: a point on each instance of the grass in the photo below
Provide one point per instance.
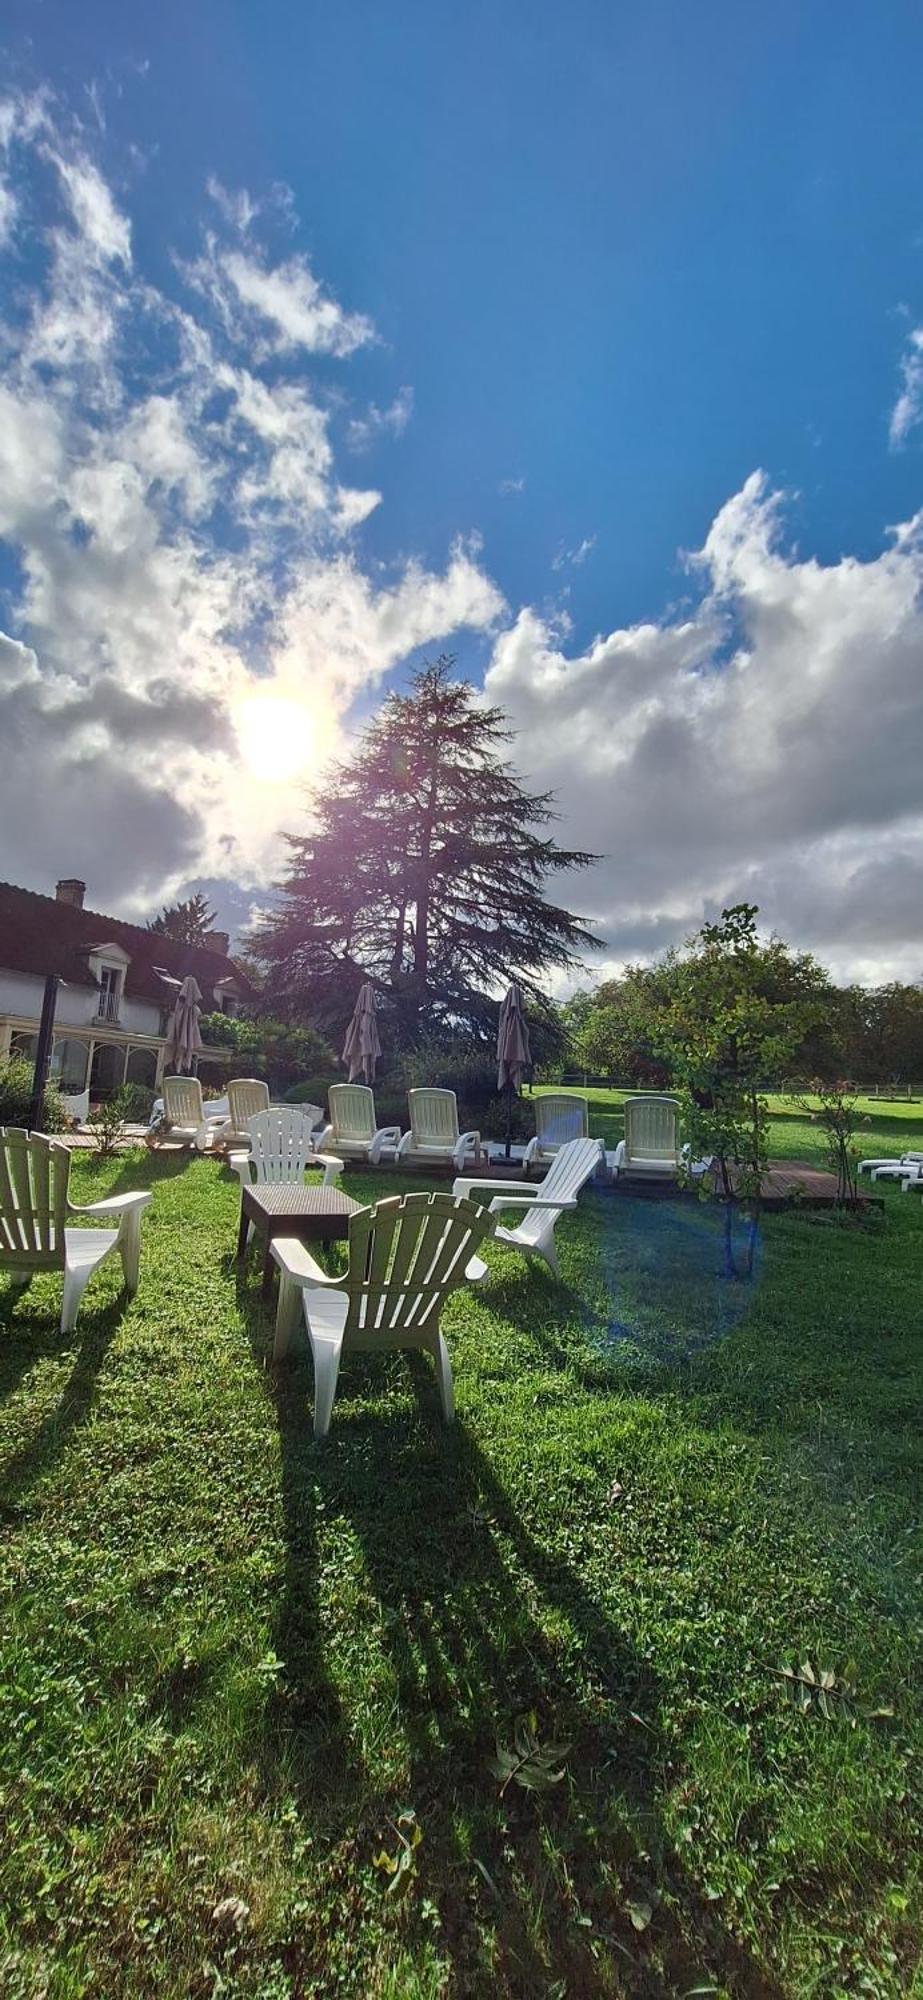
(230, 1659)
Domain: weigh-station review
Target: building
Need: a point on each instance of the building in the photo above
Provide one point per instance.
(118, 987)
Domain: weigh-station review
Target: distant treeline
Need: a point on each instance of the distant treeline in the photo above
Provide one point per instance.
(871, 1035)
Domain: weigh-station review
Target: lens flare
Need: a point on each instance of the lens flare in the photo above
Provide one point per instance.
(282, 738)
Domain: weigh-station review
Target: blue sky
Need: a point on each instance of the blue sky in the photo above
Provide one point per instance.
(616, 261)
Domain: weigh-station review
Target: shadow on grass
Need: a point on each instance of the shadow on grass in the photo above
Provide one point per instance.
(472, 1623)
(37, 1339)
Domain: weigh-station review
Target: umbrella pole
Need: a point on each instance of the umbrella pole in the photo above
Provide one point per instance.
(509, 1116)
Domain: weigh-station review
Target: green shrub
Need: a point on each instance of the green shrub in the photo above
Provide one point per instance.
(138, 1103)
(279, 1053)
(470, 1070)
(312, 1091)
(16, 1097)
(391, 1106)
(492, 1124)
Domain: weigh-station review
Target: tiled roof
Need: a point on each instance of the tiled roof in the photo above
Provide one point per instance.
(40, 935)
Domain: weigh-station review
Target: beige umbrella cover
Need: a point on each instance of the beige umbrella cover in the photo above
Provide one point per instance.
(513, 1053)
(184, 1041)
(362, 1046)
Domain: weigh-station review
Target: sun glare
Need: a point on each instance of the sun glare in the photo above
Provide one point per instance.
(281, 738)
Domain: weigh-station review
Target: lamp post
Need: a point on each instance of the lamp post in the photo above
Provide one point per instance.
(43, 1053)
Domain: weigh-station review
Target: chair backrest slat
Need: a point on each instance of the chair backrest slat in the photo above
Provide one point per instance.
(433, 1117)
(280, 1143)
(34, 1178)
(352, 1111)
(575, 1164)
(559, 1118)
(182, 1100)
(247, 1097)
(651, 1127)
(405, 1255)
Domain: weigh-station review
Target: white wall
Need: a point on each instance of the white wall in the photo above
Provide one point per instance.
(21, 993)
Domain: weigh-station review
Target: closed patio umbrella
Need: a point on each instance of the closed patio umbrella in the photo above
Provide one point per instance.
(513, 1052)
(362, 1047)
(183, 1040)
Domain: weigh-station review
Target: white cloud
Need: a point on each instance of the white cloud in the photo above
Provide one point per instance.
(7, 215)
(288, 298)
(105, 231)
(236, 205)
(187, 633)
(512, 485)
(767, 746)
(575, 557)
(361, 432)
(908, 409)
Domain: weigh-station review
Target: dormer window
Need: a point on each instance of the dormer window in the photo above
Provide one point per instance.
(110, 986)
(108, 965)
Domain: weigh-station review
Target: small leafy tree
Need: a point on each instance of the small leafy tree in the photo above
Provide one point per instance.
(112, 1115)
(736, 1012)
(834, 1105)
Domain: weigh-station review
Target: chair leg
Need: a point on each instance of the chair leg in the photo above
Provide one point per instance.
(326, 1373)
(129, 1247)
(287, 1311)
(546, 1250)
(444, 1378)
(75, 1284)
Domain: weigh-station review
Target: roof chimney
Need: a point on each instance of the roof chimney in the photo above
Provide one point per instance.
(70, 891)
(217, 941)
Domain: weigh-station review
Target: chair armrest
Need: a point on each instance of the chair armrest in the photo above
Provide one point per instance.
(405, 1144)
(114, 1204)
(533, 1151)
(619, 1157)
(462, 1188)
(298, 1265)
(465, 1143)
(386, 1135)
(559, 1202)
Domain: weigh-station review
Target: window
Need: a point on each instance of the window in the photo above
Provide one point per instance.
(141, 1067)
(69, 1065)
(109, 983)
(108, 1071)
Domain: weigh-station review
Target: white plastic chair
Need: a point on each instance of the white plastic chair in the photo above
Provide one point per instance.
(405, 1256)
(572, 1167)
(558, 1119)
(77, 1107)
(650, 1147)
(891, 1167)
(434, 1133)
(247, 1097)
(352, 1131)
(281, 1146)
(34, 1206)
(180, 1115)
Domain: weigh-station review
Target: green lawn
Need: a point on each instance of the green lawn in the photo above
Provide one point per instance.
(230, 1659)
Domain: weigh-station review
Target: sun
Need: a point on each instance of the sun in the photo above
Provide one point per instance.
(281, 737)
